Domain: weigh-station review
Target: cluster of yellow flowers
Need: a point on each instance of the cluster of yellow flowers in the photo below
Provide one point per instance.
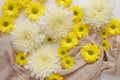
(79, 31)
(112, 29)
(11, 9)
(72, 38)
(67, 61)
(90, 52)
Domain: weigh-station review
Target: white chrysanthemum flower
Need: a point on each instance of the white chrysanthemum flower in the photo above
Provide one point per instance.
(44, 61)
(26, 37)
(57, 22)
(97, 13)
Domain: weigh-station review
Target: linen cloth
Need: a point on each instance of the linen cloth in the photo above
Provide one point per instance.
(9, 70)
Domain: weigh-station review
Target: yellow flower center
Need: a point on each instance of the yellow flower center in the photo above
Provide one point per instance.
(103, 33)
(68, 40)
(54, 79)
(26, 35)
(45, 59)
(35, 10)
(10, 7)
(22, 58)
(113, 26)
(49, 39)
(67, 62)
(75, 13)
(6, 24)
(104, 44)
(80, 29)
(90, 52)
(99, 9)
(62, 52)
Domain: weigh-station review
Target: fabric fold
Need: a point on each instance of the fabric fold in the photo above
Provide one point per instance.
(10, 70)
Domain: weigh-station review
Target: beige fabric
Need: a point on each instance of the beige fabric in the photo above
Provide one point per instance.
(9, 70)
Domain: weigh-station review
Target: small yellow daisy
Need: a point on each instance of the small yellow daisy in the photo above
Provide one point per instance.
(10, 8)
(105, 44)
(6, 24)
(68, 62)
(104, 34)
(34, 10)
(113, 27)
(62, 52)
(21, 58)
(70, 41)
(90, 53)
(49, 39)
(81, 29)
(65, 3)
(78, 13)
(54, 77)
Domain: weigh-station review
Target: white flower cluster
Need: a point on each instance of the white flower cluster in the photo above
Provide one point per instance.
(97, 13)
(57, 22)
(26, 37)
(44, 61)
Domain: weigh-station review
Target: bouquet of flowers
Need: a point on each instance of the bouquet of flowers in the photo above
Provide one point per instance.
(50, 41)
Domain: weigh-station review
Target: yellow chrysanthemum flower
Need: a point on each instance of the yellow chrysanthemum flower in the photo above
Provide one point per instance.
(62, 52)
(21, 58)
(105, 44)
(41, 1)
(55, 77)
(15, 1)
(68, 62)
(34, 10)
(90, 53)
(78, 13)
(104, 34)
(10, 8)
(6, 24)
(113, 27)
(81, 29)
(24, 3)
(65, 3)
(70, 41)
